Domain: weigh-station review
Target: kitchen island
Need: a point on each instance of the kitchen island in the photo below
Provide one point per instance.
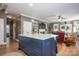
(38, 44)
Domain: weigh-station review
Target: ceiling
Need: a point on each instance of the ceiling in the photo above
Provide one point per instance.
(45, 11)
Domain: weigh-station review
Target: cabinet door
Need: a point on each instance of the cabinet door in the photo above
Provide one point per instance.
(49, 47)
(46, 48)
(27, 27)
(1, 30)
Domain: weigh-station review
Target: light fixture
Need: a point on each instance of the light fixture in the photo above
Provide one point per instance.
(32, 20)
(31, 4)
(9, 16)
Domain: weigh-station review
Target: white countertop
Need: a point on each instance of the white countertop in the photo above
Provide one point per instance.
(39, 36)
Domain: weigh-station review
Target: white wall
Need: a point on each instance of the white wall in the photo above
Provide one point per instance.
(1, 31)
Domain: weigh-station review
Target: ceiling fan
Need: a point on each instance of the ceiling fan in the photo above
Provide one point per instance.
(60, 17)
(57, 17)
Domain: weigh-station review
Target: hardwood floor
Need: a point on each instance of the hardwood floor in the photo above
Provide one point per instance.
(62, 50)
(13, 47)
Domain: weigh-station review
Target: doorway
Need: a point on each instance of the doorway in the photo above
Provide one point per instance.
(9, 29)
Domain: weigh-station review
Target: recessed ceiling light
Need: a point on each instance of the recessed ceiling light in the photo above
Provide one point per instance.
(32, 20)
(31, 4)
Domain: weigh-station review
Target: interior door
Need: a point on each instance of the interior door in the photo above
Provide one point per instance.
(1, 30)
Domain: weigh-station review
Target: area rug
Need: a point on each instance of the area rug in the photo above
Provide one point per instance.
(17, 53)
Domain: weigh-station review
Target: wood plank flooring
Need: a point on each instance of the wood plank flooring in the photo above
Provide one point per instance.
(13, 47)
(62, 50)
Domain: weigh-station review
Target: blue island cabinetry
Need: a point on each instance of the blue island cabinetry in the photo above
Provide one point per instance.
(37, 47)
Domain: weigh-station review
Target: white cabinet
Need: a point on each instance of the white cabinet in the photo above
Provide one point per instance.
(27, 27)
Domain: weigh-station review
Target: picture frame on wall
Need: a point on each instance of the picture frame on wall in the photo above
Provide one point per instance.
(62, 27)
(68, 28)
(55, 27)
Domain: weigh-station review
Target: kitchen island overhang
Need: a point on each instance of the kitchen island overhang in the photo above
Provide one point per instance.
(38, 44)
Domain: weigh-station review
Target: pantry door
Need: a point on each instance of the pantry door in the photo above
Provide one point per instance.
(1, 30)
